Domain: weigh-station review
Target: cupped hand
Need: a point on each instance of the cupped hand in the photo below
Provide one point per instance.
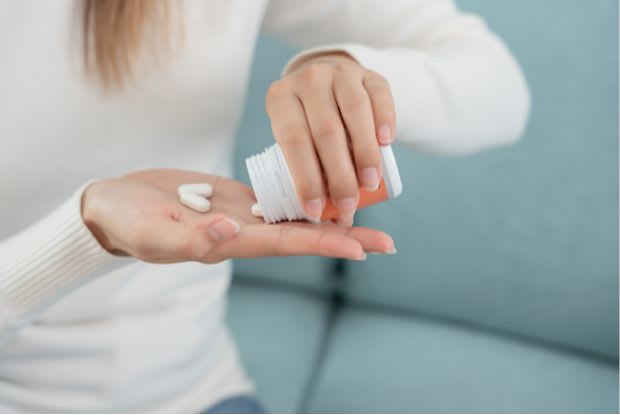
(139, 214)
(329, 114)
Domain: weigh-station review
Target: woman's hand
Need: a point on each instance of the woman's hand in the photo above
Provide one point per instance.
(331, 114)
(140, 215)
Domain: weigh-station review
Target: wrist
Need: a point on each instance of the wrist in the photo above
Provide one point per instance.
(93, 219)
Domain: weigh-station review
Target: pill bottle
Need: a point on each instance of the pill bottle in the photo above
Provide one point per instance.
(275, 191)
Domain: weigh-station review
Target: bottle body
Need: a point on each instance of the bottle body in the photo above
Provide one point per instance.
(275, 190)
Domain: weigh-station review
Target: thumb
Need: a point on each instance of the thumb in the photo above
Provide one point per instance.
(166, 241)
(223, 229)
(202, 236)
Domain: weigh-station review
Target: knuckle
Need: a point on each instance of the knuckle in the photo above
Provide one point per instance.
(342, 68)
(314, 74)
(382, 100)
(315, 70)
(378, 85)
(382, 95)
(275, 92)
(309, 187)
(294, 138)
(385, 114)
(354, 103)
(276, 89)
(284, 248)
(377, 78)
(347, 69)
(320, 239)
(344, 188)
(367, 154)
(328, 129)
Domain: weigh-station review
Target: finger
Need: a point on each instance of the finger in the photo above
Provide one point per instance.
(383, 107)
(372, 240)
(290, 129)
(291, 240)
(357, 114)
(332, 146)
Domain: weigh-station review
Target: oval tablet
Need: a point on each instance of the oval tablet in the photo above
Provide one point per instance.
(195, 202)
(256, 210)
(202, 189)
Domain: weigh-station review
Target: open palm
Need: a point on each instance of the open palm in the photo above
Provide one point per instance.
(139, 214)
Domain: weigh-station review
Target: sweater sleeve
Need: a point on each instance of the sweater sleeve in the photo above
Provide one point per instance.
(44, 262)
(456, 86)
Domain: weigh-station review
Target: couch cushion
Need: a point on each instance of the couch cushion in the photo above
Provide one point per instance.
(380, 363)
(278, 333)
(522, 238)
(313, 273)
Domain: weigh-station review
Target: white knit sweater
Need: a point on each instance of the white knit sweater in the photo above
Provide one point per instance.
(82, 330)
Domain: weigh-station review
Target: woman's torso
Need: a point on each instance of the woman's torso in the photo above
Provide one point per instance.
(144, 335)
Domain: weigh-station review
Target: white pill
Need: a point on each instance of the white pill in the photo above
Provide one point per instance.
(201, 189)
(256, 210)
(196, 202)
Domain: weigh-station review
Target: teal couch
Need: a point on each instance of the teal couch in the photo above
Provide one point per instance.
(503, 296)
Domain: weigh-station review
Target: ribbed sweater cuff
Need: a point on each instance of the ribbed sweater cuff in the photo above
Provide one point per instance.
(50, 258)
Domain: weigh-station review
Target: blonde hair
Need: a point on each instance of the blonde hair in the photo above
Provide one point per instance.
(118, 34)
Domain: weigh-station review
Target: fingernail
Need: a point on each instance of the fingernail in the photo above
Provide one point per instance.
(362, 257)
(314, 209)
(346, 207)
(385, 134)
(224, 229)
(391, 251)
(370, 178)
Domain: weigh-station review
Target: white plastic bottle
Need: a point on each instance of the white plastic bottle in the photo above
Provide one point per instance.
(275, 191)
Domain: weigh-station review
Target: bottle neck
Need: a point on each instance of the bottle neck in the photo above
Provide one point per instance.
(273, 186)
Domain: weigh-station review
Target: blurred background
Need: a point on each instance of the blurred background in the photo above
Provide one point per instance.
(503, 296)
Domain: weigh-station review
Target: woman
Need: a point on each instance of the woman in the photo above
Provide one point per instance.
(106, 303)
